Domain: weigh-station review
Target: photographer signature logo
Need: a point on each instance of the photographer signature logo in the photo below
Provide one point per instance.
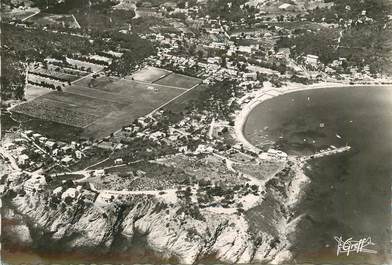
(352, 246)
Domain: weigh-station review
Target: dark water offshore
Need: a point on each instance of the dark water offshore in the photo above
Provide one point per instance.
(350, 193)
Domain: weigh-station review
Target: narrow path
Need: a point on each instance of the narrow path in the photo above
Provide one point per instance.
(26, 18)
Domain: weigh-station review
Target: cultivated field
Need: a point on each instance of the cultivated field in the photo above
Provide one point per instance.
(149, 74)
(100, 106)
(137, 99)
(178, 80)
(57, 111)
(56, 74)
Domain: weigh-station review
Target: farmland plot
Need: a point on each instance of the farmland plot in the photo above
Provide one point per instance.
(55, 111)
(99, 106)
(56, 74)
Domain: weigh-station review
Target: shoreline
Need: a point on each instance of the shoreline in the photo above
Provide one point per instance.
(269, 92)
(300, 179)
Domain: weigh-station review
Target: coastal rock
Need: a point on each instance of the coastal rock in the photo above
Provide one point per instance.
(178, 230)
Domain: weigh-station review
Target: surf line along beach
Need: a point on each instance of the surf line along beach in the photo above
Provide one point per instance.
(269, 92)
(299, 191)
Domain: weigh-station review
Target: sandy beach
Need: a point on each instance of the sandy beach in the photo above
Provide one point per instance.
(300, 180)
(268, 92)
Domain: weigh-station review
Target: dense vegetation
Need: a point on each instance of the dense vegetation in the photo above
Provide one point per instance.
(218, 99)
(351, 9)
(322, 43)
(364, 36)
(226, 9)
(24, 45)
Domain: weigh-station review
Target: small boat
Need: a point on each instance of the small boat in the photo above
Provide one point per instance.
(308, 98)
(338, 136)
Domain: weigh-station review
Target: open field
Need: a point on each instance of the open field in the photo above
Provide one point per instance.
(45, 19)
(140, 176)
(98, 107)
(149, 74)
(32, 92)
(56, 111)
(200, 167)
(140, 100)
(48, 128)
(179, 105)
(178, 80)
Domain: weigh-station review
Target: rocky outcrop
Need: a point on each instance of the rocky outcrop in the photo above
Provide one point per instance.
(182, 230)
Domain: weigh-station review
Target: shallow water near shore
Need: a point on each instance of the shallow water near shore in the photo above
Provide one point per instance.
(350, 193)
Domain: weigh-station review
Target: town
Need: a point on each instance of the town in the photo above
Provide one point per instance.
(105, 101)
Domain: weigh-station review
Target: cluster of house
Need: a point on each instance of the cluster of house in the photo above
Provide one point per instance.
(176, 135)
(38, 183)
(58, 73)
(66, 153)
(25, 156)
(76, 193)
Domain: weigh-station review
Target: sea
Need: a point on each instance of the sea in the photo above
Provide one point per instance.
(349, 196)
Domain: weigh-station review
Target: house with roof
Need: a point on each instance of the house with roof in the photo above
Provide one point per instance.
(286, 7)
(250, 76)
(9, 146)
(283, 53)
(23, 159)
(118, 161)
(71, 192)
(67, 160)
(312, 59)
(36, 182)
(36, 135)
(28, 133)
(51, 145)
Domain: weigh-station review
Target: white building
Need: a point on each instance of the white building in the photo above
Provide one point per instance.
(36, 182)
(23, 159)
(312, 59)
(66, 160)
(118, 161)
(50, 144)
(71, 192)
(286, 7)
(250, 76)
(99, 172)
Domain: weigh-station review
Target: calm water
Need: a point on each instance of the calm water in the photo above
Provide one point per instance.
(350, 194)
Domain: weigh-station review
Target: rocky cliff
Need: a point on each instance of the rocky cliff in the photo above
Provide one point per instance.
(180, 231)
